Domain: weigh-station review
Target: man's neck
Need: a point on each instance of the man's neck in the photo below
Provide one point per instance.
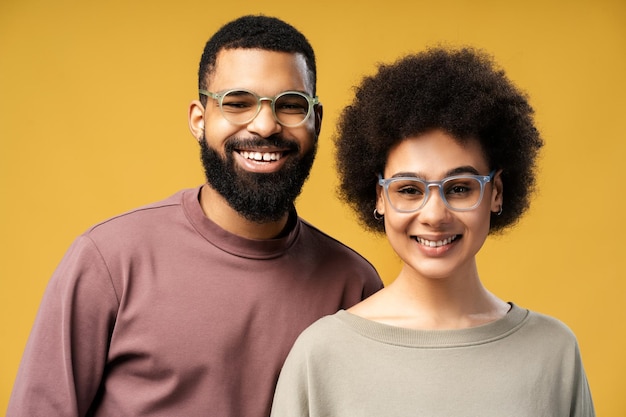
(221, 213)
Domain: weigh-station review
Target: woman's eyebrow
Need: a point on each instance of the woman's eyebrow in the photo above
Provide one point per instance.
(466, 169)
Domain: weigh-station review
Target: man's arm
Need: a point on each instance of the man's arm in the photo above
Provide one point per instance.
(64, 359)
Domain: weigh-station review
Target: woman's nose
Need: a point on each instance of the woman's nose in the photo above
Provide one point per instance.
(435, 210)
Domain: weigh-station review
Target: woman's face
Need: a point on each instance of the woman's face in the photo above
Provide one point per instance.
(436, 241)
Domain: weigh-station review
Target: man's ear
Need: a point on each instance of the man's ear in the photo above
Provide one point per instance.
(196, 119)
(318, 112)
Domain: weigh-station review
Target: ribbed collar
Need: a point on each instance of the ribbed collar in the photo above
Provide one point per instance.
(486, 333)
(231, 243)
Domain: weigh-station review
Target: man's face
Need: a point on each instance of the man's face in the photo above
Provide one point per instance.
(258, 167)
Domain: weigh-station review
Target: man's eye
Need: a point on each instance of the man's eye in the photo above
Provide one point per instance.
(236, 104)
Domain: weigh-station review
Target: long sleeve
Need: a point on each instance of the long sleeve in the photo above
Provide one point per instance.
(65, 356)
(582, 403)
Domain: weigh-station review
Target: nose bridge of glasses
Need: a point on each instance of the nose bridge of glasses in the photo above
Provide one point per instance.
(271, 102)
(440, 192)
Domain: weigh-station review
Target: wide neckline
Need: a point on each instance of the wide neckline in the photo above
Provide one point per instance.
(401, 336)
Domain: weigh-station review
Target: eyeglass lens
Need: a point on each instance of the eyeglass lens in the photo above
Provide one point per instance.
(459, 193)
(242, 106)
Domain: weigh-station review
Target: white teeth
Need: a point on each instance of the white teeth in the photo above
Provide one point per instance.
(261, 156)
(438, 243)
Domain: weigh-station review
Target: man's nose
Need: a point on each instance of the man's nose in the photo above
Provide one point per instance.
(265, 124)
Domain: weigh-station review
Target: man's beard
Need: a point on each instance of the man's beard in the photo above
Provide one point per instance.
(259, 197)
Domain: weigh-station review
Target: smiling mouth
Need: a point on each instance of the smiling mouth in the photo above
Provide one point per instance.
(261, 156)
(436, 243)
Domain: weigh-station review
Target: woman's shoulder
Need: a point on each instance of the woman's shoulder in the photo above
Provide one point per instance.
(549, 328)
(324, 333)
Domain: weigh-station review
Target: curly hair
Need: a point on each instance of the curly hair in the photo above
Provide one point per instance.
(459, 91)
(256, 32)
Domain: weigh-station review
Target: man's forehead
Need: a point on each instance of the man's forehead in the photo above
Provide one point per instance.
(238, 66)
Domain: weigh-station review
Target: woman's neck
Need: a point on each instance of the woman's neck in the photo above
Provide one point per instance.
(416, 302)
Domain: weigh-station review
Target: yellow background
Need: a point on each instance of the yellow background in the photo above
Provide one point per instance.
(93, 103)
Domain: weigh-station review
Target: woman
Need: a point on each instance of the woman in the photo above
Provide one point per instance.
(437, 150)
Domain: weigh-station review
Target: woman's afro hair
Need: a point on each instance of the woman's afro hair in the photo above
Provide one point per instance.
(459, 91)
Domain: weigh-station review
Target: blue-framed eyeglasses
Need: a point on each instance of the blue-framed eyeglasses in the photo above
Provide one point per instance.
(239, 107)
(458, 192)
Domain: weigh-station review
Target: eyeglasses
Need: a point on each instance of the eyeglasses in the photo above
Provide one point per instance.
(290, 108)
(459, 192)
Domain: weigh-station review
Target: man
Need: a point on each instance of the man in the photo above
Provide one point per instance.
(188, 307)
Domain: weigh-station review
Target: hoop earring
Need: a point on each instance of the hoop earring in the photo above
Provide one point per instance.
(499, 212)
(377, 215)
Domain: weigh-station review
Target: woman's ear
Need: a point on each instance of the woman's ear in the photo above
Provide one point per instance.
(380, 200)
(497, 198)
(196, 119)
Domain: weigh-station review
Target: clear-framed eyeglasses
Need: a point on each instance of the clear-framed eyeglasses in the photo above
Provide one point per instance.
(458, 192)
(239, 107)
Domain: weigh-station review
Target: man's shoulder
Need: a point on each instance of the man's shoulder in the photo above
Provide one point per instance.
(328, 242)
(317, 233)
(148, 215)
(340, 257)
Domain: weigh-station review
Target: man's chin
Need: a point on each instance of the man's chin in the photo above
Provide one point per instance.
(256, 195)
